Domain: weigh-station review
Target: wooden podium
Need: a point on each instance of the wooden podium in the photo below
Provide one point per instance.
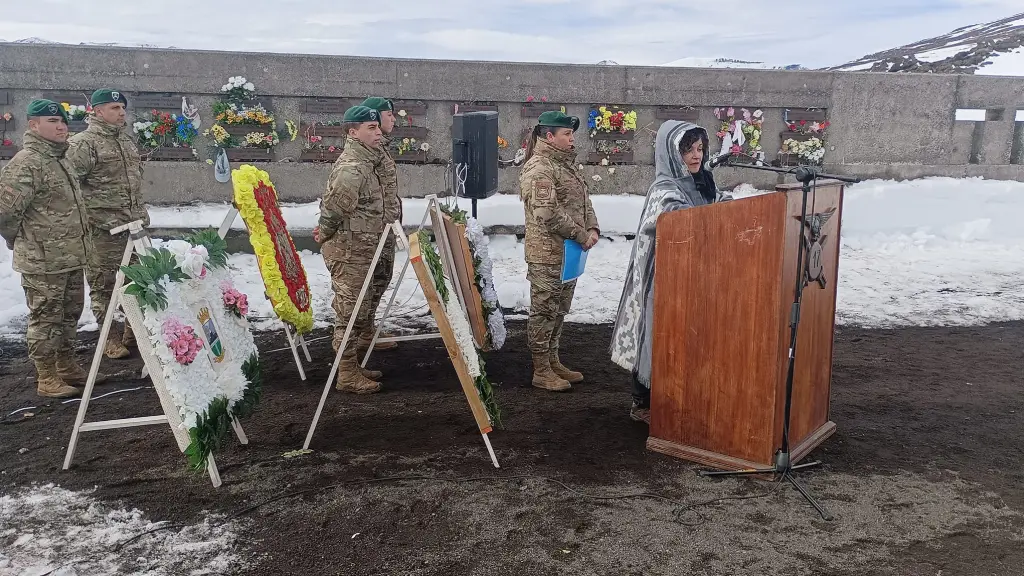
(725, 276)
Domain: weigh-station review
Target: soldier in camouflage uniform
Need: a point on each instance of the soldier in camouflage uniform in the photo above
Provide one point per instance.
(388, 174)
(42, 218)
(108, 165)
(557, 208)
(351, 221)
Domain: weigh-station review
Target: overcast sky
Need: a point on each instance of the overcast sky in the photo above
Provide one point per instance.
(814, 33)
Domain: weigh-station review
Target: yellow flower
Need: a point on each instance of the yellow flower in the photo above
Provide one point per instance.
(245, 180)
(67, 107)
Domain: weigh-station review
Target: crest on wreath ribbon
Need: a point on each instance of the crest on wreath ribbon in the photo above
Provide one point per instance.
(813, 241)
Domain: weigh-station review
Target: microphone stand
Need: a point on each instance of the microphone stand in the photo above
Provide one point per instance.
(783, 468)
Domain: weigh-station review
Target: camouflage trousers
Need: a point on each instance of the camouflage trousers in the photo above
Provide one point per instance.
(348, 261)
(383, 273)
(55, 302)
(101, 271)
(550, 301)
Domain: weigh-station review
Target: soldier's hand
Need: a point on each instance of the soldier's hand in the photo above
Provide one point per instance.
(316, 234)
(591, 240)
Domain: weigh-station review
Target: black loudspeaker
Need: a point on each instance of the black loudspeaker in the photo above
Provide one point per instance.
(475, 154)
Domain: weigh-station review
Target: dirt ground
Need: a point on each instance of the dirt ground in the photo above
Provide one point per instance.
(925, 474)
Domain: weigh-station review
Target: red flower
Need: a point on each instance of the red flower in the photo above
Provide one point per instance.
(802, 122)
(792, 127)
(543, 98)
(7, 142)
(825, 124)
(529, 98)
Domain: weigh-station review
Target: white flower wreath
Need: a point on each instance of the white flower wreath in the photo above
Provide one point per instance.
(478, 243)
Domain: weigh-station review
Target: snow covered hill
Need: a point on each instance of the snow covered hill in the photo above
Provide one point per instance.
(996, 49)
(694, 62)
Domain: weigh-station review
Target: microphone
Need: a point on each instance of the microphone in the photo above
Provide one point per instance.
(717, 161)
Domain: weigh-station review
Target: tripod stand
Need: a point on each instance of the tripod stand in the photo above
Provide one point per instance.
(783, 467)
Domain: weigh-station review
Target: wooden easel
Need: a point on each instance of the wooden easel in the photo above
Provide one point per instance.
(139, 242)
(294, 341)
(436, 307)
(433, 211)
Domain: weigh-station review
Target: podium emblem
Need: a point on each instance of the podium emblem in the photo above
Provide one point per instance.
(813, 241)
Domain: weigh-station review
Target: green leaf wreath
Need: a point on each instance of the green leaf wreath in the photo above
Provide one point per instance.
(145, 277)
(483, 385)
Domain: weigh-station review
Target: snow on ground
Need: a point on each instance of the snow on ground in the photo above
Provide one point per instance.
(1007, 64)
(47, 530)
(934, 251)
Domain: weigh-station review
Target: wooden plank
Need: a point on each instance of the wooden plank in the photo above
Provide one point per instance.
(250, 155)
(411, 107)
(535, 109)
(418, 132)
(419, 156)
(808, 115)
(78, 98)
(684, 113)
(614, 135)
(613, 158)
(244, 129)
(466, 272)
(798, 136)
(316, 155)
(6, 98)
(76, 126)
(8, 152)
(325, 105)
(327, 131)
(463, 108)
(169, 153)
(156, 101)
(426, 280)
(7, 125)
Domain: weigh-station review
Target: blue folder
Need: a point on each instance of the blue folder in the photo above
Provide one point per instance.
(574, 260)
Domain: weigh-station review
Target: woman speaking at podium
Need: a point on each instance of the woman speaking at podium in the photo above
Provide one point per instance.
(681, 180)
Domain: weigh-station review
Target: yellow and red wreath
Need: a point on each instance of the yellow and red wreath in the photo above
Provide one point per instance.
(280, 266)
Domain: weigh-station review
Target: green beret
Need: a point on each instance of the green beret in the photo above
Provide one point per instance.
(379, 104)
(361, 113)
(106, 96)
(41, 108)
(558, 119)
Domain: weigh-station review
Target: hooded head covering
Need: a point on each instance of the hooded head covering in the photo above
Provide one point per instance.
(674, 188)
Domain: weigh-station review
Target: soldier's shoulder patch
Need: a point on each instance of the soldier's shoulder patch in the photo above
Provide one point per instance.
(8, 196)
(543, 192)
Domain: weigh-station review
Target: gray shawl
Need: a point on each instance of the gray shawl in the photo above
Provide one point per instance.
(673, 189)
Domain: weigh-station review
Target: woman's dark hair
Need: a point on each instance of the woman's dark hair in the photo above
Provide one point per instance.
(690, 137)
(538, 132)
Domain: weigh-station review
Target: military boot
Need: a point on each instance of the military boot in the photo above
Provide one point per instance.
(114, 348)
(351, 379)
(128, 338)
(50, 385)
(564, 373)
(367, 373)
(545, 378)
(71, 372)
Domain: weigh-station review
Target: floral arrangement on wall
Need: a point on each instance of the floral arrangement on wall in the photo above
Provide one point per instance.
(811, 148)
(741, 134)
(241, 122)
(157, 129)
(604, 120)
(4, 140)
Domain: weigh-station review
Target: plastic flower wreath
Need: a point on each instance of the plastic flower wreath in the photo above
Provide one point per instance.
(284, 277)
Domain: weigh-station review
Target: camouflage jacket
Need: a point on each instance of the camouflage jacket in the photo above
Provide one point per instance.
(354, 200)
(108, 165)
(388, 174)
(42, 209)
(556, 202)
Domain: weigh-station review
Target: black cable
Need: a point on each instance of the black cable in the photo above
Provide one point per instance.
(680, 509)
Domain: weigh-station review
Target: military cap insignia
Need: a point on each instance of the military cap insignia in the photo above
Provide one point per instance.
(373, 115)
(53, 109)
(115, 95)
